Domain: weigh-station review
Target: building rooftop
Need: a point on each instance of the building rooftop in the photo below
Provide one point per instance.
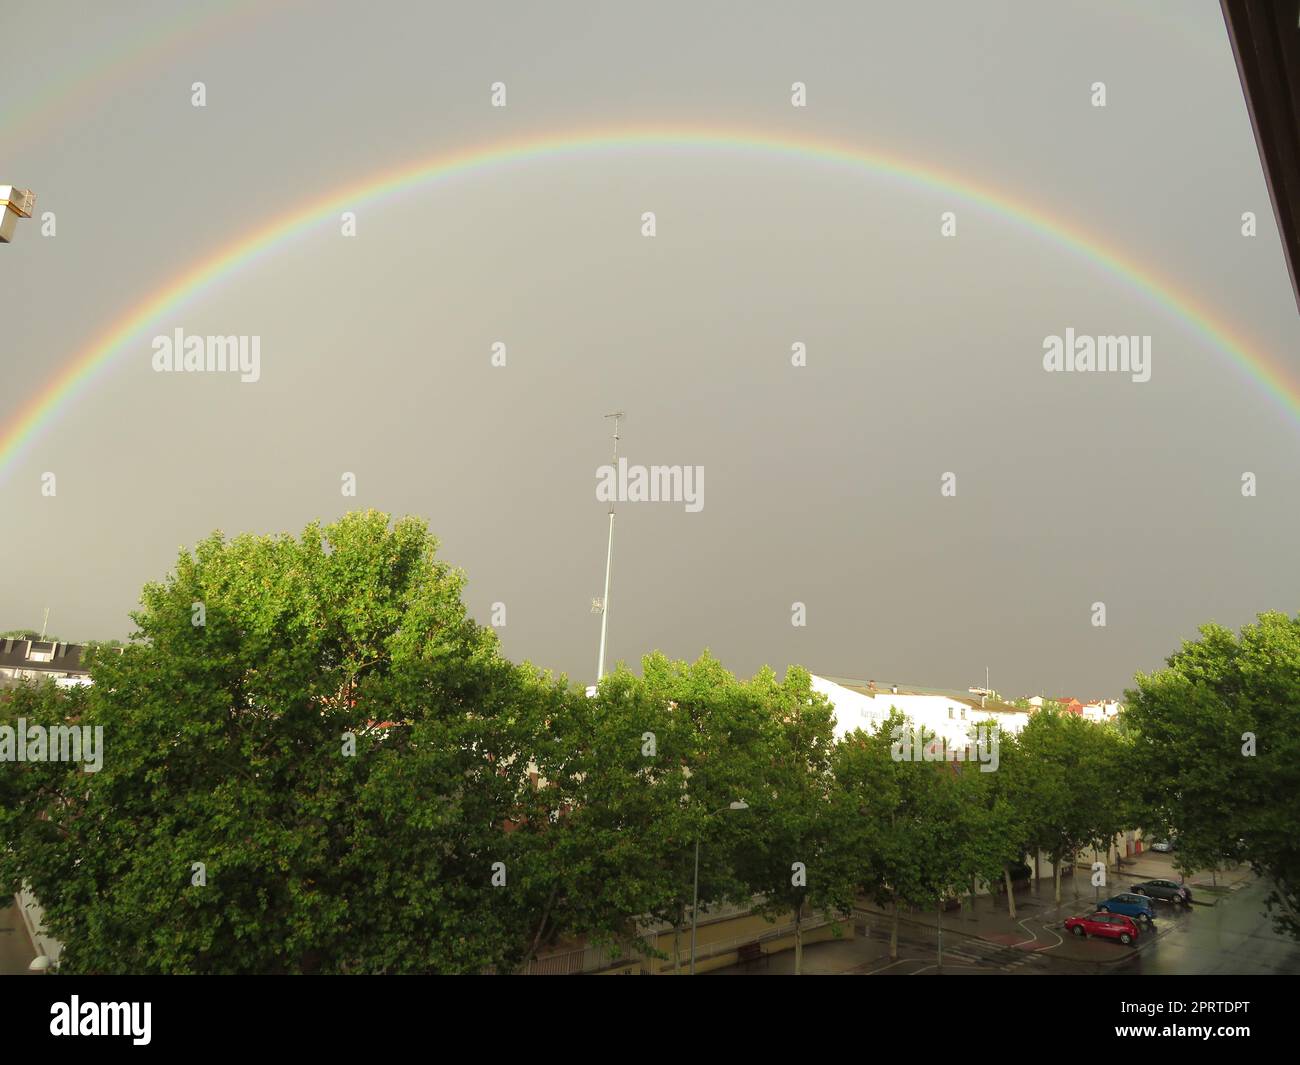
(863, 687)
(46, 656)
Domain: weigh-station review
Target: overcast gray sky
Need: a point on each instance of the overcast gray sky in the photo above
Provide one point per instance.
(822, 482)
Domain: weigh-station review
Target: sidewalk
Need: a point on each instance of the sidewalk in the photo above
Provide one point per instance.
(1207, 888)
(970, 941)
(986, 938)
(1039, 923)
(988, 941)
(1037, 927)
(829, 958)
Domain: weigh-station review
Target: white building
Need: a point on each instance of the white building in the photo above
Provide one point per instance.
(22, 660)
(1101, 710)
(948, 714)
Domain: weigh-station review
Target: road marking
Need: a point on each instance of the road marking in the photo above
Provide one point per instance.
(889, 966)
(935, 966)
(1043, 949)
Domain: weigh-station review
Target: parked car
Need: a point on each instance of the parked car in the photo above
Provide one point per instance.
(1165, 846)
(1106, 925)
(1164, 889)
(1136, 906)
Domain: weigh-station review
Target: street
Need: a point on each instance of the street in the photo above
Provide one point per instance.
(1236, 937)
(1231, 936)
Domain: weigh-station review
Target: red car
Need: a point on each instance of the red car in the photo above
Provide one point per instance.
(1110, 925)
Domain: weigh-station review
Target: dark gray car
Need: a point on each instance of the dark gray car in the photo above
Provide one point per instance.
(1164, 889)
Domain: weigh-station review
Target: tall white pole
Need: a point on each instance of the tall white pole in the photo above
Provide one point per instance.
(609, 560)
(604, 607)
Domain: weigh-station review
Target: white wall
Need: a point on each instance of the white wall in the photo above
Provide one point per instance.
(33, 915)
(854, 710)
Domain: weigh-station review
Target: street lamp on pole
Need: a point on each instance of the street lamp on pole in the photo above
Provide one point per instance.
(739, 804)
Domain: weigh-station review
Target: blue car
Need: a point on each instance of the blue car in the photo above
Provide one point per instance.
(1138, 907)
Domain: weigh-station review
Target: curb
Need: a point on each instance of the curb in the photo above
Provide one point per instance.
(1056, 923)
(912, 922)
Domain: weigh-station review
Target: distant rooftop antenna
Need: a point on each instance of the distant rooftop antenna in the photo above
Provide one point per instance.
(602, 605)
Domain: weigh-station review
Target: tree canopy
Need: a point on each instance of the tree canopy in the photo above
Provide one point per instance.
(315, 761)
(1218, 752)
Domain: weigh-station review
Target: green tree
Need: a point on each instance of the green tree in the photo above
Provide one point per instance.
(784, 858)
(862, 820)
(1217, 740)
(997, 813)
(648, 768)
(231, 828)
(1062, 787)
(616, 766)
(1010, 801)
(917, 835)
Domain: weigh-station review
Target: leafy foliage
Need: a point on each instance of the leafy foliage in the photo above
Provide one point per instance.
(316, 761)
(1217, 741)
(225, 745)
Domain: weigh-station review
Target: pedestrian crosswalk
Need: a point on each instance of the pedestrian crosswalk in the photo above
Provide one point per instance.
(964, 950)
(983, 953)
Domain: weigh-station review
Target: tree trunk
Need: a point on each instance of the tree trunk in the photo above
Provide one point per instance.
(1056, 873)
(677, 943)
(940, 935)
(1011, 895)
(1038, 872)
(541, 928)
(893, 935)
(798, 939)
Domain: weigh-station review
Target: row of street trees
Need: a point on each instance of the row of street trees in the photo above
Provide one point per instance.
(316, 761)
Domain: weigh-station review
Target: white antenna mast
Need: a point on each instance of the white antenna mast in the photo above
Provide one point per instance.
(609, 559)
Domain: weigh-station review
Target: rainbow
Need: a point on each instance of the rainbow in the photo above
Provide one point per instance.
(74, 93)
(34, 417)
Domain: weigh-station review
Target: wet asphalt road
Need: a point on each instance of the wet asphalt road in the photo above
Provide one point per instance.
(1236, 937)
